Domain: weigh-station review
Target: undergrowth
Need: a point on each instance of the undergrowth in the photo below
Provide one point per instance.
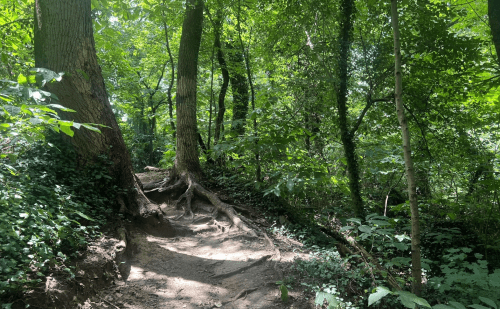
(49, 210)
(455, 276)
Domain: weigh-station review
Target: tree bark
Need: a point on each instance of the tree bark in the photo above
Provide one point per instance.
(410, 173)
(187, 171)
(187, 159)
(347, 13)
(172, 79)
(217, 23)
(239, 87)
(494, 18)
(64, 42)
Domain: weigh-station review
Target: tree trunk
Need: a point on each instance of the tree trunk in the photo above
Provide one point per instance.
(412, 190)
(347, 13)
(217, 23)
(494, 17)
(187, 170)
(186, 159)
(172, 79)
(239, 87)
(64, 42)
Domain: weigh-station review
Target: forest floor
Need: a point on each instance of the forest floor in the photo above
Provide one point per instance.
(210, 264)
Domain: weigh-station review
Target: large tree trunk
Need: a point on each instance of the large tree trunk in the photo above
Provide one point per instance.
(410, 173)
(347, 13)
(64, 42)
(494, 17)
(187, 159)
(187, 171)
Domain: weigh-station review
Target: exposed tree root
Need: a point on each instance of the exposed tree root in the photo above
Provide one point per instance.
(187, 183)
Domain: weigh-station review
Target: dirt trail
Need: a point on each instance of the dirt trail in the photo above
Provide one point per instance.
(211, 266)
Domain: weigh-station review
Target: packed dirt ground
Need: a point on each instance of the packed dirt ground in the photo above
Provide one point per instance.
(209, 264)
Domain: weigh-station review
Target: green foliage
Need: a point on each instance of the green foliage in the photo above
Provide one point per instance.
(410, 300)
(50, 209)
(407, 299)
(463, 279)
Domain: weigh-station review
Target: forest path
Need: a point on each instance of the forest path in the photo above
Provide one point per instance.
(213, 265)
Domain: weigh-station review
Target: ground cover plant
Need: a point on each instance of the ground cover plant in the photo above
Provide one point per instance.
(367, 130)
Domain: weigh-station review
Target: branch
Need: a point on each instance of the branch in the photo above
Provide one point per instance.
(369, 104)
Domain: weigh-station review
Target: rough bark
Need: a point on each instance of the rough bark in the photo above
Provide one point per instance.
(64, 42)
(347, 14)
(187, 171)
(187, 160)
(410, 173)
(494, 18)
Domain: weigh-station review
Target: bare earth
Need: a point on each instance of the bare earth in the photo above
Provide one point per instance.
(212, 266)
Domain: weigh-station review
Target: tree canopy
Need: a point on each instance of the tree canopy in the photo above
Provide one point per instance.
(297, 99)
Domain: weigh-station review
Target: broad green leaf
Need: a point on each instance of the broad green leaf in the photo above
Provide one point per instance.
(364, 229)
(440, 306)
(476, 306)
(322, 296)
(67, 130)
(488, 301)
(457, 305)
(21, 79)
(284, 293)
(380, 293)
(83, 215)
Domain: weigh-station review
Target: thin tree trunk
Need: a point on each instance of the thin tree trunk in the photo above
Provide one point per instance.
(82, 89)
(246, 56)
(172, 79)
(186, 159)
(494, 18)
(415, 228)
(211, 99)
(217, 23)
(239, 87)
(347, 13)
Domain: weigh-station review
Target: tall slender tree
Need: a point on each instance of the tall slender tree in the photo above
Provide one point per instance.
(416, 269)
(82, 89)
(347, 137)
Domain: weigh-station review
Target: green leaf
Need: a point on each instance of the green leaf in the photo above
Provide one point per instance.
(457, 305)
(64, 109)
(83, 215)
(409, 300)
(476, 306)
(488, 301)
(91, 128)
(440, 306)
(21, 79)
(380, 293)
(67, 130)
(284, 293)
(364, 229)
(322, 296)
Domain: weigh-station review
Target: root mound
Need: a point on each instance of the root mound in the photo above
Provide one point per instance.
(188, 187)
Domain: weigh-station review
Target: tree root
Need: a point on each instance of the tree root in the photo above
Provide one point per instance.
(188, 183)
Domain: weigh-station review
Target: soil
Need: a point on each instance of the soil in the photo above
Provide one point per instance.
(208, 264)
